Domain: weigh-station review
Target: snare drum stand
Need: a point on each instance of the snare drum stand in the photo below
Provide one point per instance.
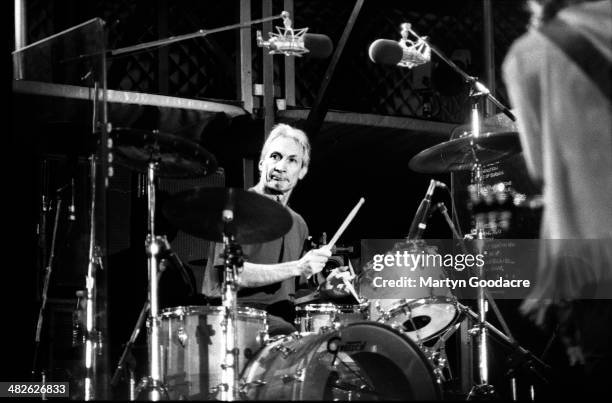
(152, 386)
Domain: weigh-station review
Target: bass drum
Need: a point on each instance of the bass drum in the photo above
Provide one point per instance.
(362, 361)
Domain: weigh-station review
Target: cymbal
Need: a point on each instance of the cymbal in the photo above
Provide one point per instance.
(199, 212)
(176, 157)
(495, 123)
(463, 153)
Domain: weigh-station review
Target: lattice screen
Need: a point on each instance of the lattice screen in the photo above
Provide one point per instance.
(206, 67)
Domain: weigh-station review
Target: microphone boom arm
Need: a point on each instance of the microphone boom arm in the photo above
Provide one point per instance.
(199, 33)
(476, 85)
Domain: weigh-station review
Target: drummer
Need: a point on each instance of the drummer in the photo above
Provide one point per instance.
(268, 279)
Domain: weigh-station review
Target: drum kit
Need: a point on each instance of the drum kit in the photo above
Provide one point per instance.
(383, 348)
(386, 348)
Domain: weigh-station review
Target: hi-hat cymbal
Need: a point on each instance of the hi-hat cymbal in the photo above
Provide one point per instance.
(199, 212)
(465, 152)
(176, 157)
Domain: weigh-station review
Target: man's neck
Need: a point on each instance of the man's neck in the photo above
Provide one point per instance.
(282, 198)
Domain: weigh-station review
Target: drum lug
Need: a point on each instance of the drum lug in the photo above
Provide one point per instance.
(285, 351)
(262, 337)
(257, 382)
(182, 336)
(297, 377)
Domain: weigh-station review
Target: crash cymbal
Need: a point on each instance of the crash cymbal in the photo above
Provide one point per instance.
(176, 157)
(463, 153)
(199, 212)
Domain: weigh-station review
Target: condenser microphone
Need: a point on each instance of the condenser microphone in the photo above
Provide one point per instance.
(388, 52)
(295, 42)
(403, 53)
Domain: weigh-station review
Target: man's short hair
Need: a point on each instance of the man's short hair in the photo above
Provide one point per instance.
(284, 130)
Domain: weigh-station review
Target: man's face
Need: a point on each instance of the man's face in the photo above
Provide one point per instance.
(282, 166)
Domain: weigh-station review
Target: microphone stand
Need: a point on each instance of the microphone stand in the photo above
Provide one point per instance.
(526, 356)
(477, 92)
(45, 290)
(480, 88)
(172, 39)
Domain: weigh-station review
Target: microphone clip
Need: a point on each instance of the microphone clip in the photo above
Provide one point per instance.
(415, 53)
(286, 41)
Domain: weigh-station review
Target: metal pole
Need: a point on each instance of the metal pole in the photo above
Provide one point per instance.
(289, 66)
(90, 286)
(20, 38)
(246, 58)
(268, 74)
(489, 53)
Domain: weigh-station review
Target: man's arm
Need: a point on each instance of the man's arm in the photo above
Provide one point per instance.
(258, 275)
(521, 70)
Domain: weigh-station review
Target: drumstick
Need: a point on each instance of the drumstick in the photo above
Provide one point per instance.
(350, 287)
(345, 224)
(350, 266)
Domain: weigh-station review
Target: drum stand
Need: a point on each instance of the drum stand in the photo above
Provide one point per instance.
(228, 390)
(152, 386)
(527, 357)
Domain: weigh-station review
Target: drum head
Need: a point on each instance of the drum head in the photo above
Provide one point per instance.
(362, 361)
(423, 319)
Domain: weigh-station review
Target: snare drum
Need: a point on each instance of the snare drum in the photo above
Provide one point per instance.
(191, 354)
(324, 317)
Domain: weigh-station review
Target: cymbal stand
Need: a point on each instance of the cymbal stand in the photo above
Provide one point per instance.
(228, 390)
(506, 336)
(152, 386)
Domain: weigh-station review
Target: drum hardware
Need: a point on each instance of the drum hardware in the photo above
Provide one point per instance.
(229, 388)
(505, 336)
(159, 155)
(47, 281)
(234, 217)
(470, 153)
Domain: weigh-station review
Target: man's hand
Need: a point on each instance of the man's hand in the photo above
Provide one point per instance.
(335, 284)
(314, 261)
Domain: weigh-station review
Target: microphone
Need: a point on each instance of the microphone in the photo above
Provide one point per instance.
(420, 218)
(295, 42)
(404, 53)
(72, 207)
